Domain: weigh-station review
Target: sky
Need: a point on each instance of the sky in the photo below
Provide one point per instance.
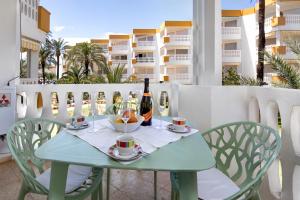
(80, 20)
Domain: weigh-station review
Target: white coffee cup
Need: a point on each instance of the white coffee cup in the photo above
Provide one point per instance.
(179, 123)
(125, 145)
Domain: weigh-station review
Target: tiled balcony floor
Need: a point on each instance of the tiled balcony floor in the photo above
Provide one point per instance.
(125, 185)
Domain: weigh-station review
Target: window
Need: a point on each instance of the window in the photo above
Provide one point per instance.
(230, 46)
(29, 11)
(22, 7)
(25, 9)
(32, 14)
(232, 23)
(182, 51)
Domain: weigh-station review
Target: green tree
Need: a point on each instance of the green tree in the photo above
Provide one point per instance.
(86, 54)
(114, 73)
(45, 56)
(58, 47)
(76, 75)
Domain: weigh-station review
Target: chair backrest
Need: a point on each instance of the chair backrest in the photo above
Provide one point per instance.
(23, 139)
(244, 150)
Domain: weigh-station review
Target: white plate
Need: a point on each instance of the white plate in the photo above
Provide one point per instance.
(114, 153)
(172, 128)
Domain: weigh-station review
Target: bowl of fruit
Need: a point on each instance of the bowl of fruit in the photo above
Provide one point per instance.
(120, 124)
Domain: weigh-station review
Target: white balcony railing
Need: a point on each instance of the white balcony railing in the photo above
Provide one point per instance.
(204, 107)
(180, 57)
(231, 53)
(145, 59)
(143, 76)
(231, 30)
(120, 47)
(29, 81)
(292, 19)
(146, 43)
(115, 62)
(180, 38)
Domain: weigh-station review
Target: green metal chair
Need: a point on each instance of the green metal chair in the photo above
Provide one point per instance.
(243, 152)
(24, 138)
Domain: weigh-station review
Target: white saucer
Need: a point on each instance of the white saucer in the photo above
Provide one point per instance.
(114, 153)
(83, 126)
(172, 128)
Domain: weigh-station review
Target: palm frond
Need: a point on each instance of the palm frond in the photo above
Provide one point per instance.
(286, 72)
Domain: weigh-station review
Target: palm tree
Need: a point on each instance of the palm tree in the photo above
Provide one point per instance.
(45, 56)
(261, 40)
(288, 73)
(86, 54)
(76, 75)
(58, 48)
(114, 74)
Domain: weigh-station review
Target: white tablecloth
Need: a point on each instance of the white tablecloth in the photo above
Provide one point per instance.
(149, 137)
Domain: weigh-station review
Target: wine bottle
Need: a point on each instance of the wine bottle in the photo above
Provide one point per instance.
(146, 105)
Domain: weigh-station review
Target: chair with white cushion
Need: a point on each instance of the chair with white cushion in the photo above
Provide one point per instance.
(29, 134)
(243, 152)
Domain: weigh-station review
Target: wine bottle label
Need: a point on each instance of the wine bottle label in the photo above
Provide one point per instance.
(148, 115)
(147, 95)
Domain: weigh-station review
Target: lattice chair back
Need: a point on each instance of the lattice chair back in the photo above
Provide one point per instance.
(23, 138)
(244, 151)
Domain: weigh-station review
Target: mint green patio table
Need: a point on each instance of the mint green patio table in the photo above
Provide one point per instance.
(186, 156)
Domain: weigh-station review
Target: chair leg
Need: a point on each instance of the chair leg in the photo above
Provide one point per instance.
(256, 196)
(100, 191)
(108, 184)
(155, 185)
(22, 193)
(95, 195)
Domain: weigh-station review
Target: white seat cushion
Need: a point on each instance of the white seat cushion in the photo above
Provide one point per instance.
(77, 175)
(214, 185)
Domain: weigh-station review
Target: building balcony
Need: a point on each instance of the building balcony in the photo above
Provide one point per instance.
(281, 51)
(231, 56)
(118, 49)
(143, 62)
(117, 62)
(231, 33)
(178, 59)
(144, 45)
(284, 23)
(177, 40)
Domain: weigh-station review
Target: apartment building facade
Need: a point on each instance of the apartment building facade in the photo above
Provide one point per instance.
(167, 51)
(153, 53)
(240, 35)
(35, 24)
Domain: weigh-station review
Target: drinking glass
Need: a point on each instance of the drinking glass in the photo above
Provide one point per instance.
(161, 106)
(125, 112)
(93, 130)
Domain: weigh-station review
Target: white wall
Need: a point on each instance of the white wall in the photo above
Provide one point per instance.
(9, 40)
(248, 45)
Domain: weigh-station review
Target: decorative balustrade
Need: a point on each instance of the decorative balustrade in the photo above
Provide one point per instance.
(116, 62)
(231, 30)
(232, 53)
(146, 43)
(292, 19)
(61, 101)
(145, 60)
(120, 47)
(180, 38)
(180, 57)
(25, 81)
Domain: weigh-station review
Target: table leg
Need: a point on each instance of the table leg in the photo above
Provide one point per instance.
(187, 185)
(58, 180)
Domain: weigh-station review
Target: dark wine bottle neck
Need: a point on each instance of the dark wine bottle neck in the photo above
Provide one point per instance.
(146, 90)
